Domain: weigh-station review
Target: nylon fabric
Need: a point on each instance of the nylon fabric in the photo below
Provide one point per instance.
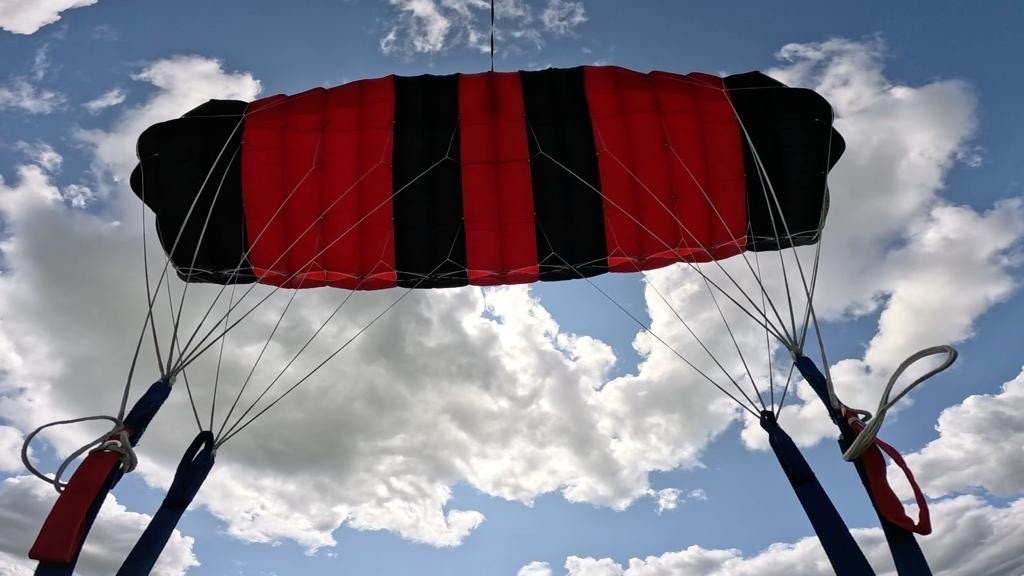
(670, 165)
(842, 551)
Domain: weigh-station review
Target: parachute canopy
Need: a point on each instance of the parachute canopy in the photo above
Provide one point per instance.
(491, 178)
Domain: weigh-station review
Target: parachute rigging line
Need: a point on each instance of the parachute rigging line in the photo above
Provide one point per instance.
(595, 172)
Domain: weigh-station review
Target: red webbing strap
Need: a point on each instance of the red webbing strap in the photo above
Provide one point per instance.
(882, 494)
(65, 528)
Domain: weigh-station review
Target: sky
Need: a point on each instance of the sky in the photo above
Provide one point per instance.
(530, 430)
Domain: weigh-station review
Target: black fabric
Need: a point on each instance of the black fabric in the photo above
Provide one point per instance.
(564, 173)
(430, 240)
(196, 160)
(791, 131)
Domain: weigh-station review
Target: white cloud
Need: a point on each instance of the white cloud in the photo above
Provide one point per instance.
(671, 498)
(183, 82)
(22, 17)
(668, 499)
(41, 62)
(980, 445)
(432, 26)
(535, 569)
(971, 538)
(20, 94)
(42, 154)
(563, 16)
(111, 97)
(25, 501)
(10, 449)
(78, 195)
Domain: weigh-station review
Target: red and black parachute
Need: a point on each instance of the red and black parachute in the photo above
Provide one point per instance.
(491, 178)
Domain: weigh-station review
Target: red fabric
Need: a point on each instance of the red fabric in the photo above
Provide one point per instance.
(62, 533)
(497, 195)
(663, 140)
(882, 494)
(323, 158)
(671, 166)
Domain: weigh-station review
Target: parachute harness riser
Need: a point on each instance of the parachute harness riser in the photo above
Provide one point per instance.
(61, 536)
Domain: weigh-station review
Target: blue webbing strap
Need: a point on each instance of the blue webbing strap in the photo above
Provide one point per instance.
(192, 471)
(840, 547)
(906, 552)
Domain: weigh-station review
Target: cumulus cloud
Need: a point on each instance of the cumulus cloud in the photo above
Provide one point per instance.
(535, 569)
(20, 94)
(182, 82)
(28, 17)
(111, 97)
(979, 446)
(41, 154)
(10, 449)
(971, 537)
(668, 499)
(25, 501)
(432, 26)
(563, 16)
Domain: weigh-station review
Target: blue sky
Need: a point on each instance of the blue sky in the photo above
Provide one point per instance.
(923, 247)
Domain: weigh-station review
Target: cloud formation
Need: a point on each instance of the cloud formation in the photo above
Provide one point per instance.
(979, 446)
(28, 17)
(433, 26)
(970, 538)
(20, 94)
(111, 97)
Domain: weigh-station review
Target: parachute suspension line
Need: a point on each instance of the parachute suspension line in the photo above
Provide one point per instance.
(646, 328)
(150, 298)
(770, 191)
(177, 343)
(223, 288)
(245, 255)
(643, 227)
(762, 175)
(785, 389)
(235, 429)
(756, 275)
(203, 345)
(768, 352)
(181, 229)
(753, 384)
(294, 357)
(817, 252)
(259, 357)
(751, 408)
(231, 430)
(220, 360)
(681, 225)
(199, 243)
(492, 35)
